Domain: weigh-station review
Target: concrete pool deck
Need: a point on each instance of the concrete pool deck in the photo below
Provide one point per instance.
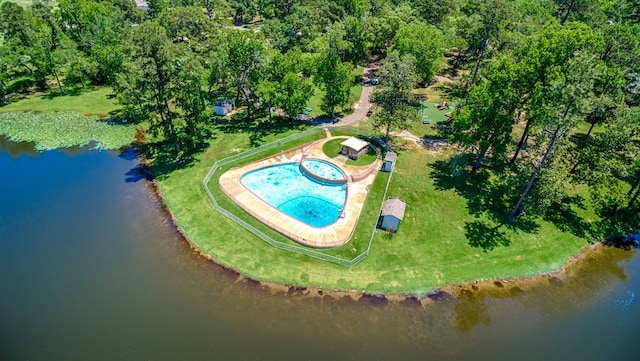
(333, 235)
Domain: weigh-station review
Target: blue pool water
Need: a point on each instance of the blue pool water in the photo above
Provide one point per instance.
(323, 169)
(286, 188)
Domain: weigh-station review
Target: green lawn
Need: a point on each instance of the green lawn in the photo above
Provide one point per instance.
(332, 148)
(433, 247)
(98, 101)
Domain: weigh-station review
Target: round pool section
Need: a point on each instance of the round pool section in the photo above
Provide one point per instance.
(285, 187)
(323, 170)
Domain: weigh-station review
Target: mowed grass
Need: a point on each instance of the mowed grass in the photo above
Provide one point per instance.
(98, 101)
(429, 250)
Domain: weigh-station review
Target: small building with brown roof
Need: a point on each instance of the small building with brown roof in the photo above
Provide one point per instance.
(354, 148)
(392, 214)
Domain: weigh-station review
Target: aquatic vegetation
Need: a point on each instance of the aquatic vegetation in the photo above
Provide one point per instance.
(51, 130)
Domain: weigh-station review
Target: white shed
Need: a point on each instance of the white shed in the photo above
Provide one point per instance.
(354, 148)
(392, 214)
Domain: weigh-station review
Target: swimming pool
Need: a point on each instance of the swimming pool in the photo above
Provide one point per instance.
(323, 170)
(289, 189)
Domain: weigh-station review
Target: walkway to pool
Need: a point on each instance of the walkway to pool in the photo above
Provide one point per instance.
(333, 235)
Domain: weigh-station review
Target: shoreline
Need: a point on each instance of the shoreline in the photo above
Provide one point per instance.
(499, 285)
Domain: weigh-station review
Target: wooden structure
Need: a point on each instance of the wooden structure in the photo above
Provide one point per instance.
(392, 214)
(354, 148)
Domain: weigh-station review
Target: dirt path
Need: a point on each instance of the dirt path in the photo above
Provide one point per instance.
(427, 143)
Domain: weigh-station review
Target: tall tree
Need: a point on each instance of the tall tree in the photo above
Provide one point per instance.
(189, 95)
(394, 96)
(486, 122)
(332, 74)
(541, 55)
(98, 27)
(283, 85)
(246, 60)
(582, 10)
(384, 27)
(489, 18)
(149, 75)
(570, 92)
(426, 44)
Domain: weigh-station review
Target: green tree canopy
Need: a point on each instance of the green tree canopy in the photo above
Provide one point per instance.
(426, 44)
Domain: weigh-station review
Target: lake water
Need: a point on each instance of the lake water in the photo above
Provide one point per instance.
(91, 268)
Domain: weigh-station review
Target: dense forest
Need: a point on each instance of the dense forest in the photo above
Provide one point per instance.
(548, 90)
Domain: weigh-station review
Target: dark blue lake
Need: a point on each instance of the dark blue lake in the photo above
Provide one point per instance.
(91, 268)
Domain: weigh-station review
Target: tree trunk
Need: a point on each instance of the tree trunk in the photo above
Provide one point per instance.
(55, 73)
(386, 137)
(607, 51)
(485, 42)
(521, 142)
(566, 15)
(575, 167)
(633, 200)
(633, 187)
(534, 176)
(140, 106)
(593, 124)
(478, 162)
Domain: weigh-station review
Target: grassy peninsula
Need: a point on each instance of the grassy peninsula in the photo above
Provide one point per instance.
(431, 249)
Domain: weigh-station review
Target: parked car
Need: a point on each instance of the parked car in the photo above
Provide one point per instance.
(375, 81)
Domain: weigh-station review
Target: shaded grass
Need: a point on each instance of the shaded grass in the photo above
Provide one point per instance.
(97, 101)
(430, 249)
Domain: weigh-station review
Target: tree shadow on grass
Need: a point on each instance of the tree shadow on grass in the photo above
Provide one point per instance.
(563, 216)
(160, 159)
(454, 90)
(258, 129)
(485, 195)
(482, 235)
(68, 91)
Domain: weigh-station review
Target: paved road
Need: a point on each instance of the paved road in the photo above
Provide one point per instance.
(361, 107)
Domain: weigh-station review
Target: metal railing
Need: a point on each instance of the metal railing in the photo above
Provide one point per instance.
(277, 244)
